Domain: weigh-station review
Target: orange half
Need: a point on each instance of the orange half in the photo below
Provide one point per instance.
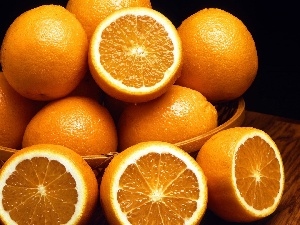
(153, 183)
(135, 54)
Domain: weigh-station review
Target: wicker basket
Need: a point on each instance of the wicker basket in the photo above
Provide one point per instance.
(230, 114)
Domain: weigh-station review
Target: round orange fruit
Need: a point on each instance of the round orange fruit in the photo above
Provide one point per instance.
(76, 122)
(47, 184)
(15, 112)
(44, 53)
(135, 54)
(90, 13)
(179, 114)
(153, 183)
(245, 174)
(219, 55)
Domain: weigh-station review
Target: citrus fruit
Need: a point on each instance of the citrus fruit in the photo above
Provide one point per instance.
(91, 13)
(15, 112)
(179, 114)
(44, 53)
(135, 54)
(77, 122)
(153, 183)
(47, 184)
(219, 55)
(245, 174)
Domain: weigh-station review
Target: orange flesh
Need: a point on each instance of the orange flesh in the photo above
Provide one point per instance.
(141, 51)
(157, 189)
(257, 173)
(40, 192)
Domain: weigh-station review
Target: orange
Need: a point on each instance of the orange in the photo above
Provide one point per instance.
(15, 112)
(245, 174)
(135, 54)
(44, 53)
(179, 114)
(90, 13)
(76, 122)
(47, 184)
(219, 55)
(153, 183)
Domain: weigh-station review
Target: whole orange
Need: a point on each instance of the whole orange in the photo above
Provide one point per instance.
(44, 53)
(179, 114)
(15, 112)
(90, 13)
(219, 55)
(76, 122)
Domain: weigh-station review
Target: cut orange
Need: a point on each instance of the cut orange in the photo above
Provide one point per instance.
(47, 184)
(135, 54)
(245, 174)
(153, 183)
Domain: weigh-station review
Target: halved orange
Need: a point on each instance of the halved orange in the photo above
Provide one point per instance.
(135, 54)
(47, 184)
(153, 183)
(245, 174)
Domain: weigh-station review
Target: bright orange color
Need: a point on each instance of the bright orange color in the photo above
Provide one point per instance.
(219, 55)
(153, 183)
(47, 184)
(15, 112)
(179, 114)
(90, 12)
(44, 53)
(244, 172)
(79, 123)
(135, 54)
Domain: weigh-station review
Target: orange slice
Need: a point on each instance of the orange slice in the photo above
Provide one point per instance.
(153, 183)
(135, 54)
(47, 184)
(245, 174)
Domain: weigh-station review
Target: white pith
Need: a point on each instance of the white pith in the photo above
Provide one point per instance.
(156, 195)
(255, 212)
(70, 167)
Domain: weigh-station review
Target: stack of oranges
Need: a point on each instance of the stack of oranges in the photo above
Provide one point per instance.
(101, 77)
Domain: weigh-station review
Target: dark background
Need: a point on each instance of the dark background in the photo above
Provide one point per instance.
(274, 26)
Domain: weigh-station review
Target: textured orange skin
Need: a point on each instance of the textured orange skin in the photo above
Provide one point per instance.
(177, 115)
(15, 112)
(219, 55)
(79, 123)
(44, 53)
(90, 13)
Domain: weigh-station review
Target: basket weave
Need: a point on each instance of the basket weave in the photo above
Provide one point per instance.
(230, 114)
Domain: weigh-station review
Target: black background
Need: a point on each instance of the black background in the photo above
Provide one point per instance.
(274, 26)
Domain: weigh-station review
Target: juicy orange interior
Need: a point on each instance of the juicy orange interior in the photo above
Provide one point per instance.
(157, 189)
(40, 190)
(257, 172)
(136, 50)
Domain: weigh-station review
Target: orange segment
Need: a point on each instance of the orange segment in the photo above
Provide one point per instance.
(245, 174)
(257, 172)
(46, 183)
(153, 183)
(135, 54)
